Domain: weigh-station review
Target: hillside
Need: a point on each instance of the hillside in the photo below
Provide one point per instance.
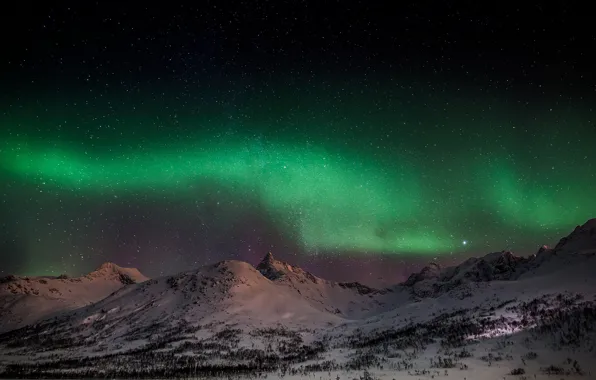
(26, 300)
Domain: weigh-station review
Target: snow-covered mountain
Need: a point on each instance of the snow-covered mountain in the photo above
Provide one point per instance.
(347, 299)
(490, 317)
(433, 280)
(576, 248)
(26, 300)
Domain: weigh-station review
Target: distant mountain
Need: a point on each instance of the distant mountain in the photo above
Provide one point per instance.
(433, 280)
(491, 317)
(26, 300)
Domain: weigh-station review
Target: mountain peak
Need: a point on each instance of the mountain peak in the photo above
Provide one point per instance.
(274, 269)
(268, 258)
(125, 275)
(271, 268)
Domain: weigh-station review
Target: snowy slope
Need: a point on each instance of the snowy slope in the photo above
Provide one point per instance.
(26, 300)
(494, 317)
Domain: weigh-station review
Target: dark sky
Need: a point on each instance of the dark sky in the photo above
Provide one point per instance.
(359, 140)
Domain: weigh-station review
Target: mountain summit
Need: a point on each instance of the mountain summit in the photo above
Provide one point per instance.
(276, 270)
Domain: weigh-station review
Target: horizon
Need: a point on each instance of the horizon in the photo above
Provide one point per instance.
(380, 282)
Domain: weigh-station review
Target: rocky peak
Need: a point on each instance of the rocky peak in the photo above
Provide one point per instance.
(273, 269)
(276, 270)
(268, 258)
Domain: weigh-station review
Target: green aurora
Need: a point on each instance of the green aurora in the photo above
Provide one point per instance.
(337, 198)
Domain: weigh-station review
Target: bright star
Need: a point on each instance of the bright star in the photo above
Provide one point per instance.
(464, 242)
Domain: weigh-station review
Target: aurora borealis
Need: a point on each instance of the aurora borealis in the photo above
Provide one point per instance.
(188, 148)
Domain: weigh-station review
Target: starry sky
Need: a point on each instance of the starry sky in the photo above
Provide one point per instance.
(357, 139)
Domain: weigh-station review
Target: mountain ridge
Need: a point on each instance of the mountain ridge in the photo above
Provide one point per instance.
(346, 299)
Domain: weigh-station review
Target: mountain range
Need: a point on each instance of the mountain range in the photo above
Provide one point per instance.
(487, 317)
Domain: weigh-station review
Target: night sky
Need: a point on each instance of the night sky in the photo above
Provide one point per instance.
(359, 141)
